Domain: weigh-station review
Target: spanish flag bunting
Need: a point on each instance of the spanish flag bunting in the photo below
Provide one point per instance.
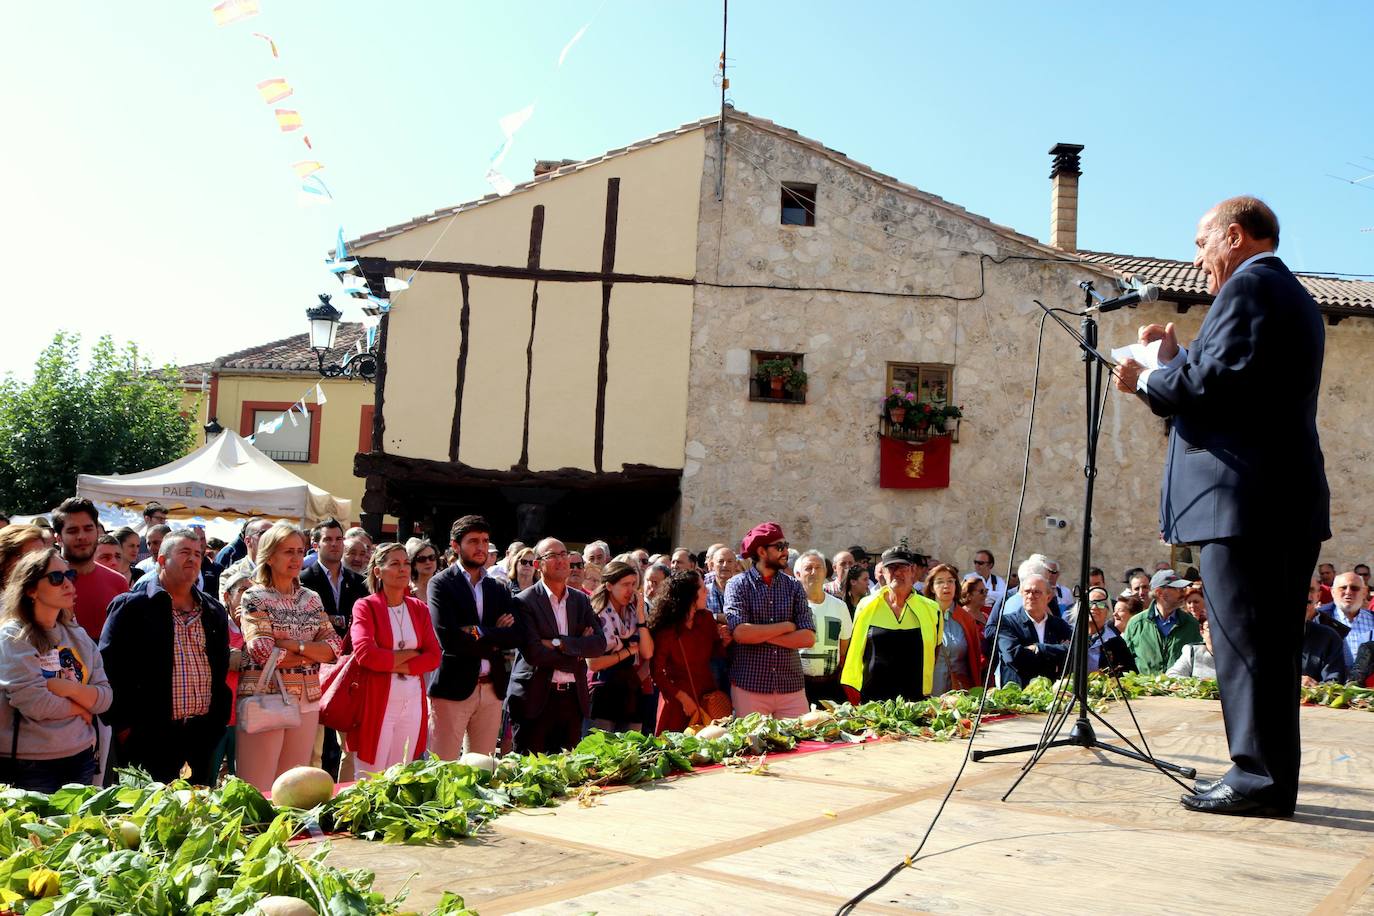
(270, 43)
(288, 120)
(231, 11)
(274, 90)
(306, 167)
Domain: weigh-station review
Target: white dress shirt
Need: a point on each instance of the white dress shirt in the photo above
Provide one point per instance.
(560, 614)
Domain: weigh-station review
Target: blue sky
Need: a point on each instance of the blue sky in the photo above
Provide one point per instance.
(148, 192)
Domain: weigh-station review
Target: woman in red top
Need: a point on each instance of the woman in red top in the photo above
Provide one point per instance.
(394, 640)
(686, 638)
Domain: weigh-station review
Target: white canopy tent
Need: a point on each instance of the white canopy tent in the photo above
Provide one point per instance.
(226, 477)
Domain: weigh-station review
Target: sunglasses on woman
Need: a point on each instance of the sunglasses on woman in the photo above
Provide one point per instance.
(55, 578)
(526, 562)
(427, 558)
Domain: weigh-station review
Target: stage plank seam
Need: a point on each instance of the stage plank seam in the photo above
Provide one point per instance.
(661, 865)
(1351, 888)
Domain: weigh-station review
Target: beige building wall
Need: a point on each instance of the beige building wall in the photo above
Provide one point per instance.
(340, 424)
(814, 467)
(649, 327)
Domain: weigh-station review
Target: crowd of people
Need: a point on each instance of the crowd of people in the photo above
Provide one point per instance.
(156, 650)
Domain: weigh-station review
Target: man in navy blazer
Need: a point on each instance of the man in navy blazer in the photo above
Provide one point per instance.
(474, 618)
(548, 696)
(1244, 465)
(1032, 641)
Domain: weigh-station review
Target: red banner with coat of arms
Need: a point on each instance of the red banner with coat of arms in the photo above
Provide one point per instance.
(913, 465)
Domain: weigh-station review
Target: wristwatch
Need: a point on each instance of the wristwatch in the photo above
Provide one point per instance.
(557, 643)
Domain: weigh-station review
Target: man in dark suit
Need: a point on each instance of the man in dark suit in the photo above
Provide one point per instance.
(339, 589)
(1032, 641)
(548, 696)
(474, 617)
(168, 626)
(1244, 452)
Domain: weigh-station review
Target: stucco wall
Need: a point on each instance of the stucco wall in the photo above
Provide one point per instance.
(339, 419)
(814, 467)
(649, 327)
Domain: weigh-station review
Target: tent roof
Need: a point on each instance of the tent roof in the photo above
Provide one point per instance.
(227, 476)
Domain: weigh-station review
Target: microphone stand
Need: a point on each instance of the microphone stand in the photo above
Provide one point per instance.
(1082, 734)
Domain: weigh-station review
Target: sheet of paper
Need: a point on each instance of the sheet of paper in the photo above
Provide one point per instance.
(1145, 354)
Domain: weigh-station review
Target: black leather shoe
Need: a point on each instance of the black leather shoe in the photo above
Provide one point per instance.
(1225, 800)
(1203, 786)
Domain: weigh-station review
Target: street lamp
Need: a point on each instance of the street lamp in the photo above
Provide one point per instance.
(324, 329)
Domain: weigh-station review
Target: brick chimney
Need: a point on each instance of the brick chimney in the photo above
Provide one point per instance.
(1064, 196)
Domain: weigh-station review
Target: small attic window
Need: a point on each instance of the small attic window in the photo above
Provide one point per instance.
(798, 204)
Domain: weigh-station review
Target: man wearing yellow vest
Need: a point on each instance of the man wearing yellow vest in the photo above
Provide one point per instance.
(896, 630)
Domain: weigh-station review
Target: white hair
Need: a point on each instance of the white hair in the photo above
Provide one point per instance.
(1037, 564)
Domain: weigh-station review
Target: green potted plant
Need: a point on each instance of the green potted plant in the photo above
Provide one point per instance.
(919, 416)
(780, 377)
(896, 404)
(950, 415)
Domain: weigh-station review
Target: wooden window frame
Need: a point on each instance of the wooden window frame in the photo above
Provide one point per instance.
(798, 191)
(248, 428)
(946, 368)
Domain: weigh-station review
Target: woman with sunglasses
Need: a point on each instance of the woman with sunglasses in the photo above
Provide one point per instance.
(424, 563)
(959, 656)
(52, 679)
(523, 572)
(1107, 651)
(615, 678)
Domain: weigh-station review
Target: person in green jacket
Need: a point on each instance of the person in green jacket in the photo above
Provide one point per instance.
(1157, 637)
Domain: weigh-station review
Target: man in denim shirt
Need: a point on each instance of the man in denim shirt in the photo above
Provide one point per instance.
(769, 620)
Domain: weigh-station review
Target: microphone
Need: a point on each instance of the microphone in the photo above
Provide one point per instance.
(1125, 300)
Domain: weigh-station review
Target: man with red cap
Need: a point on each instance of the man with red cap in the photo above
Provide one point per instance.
(769, 620)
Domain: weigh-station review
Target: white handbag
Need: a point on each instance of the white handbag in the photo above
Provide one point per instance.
(264, 711)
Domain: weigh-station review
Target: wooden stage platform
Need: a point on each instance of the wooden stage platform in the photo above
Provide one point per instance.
(1084, 833)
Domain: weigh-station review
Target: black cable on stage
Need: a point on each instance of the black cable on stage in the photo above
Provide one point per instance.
(908, 862)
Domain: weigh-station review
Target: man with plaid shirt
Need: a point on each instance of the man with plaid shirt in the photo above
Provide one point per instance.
(166, 651)
(769, 620)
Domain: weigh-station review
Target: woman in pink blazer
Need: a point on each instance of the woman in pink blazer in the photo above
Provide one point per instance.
(394, 640)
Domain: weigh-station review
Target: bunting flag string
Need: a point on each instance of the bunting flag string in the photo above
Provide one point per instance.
(268, 427)
(231, 11)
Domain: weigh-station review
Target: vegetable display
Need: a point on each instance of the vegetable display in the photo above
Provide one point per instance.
(140, 847)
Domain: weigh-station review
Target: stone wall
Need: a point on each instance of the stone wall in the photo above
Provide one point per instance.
(885, 276)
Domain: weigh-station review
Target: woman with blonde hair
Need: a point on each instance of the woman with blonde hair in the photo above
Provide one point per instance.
(280, 616)
(523, 574)
(53, 678)
(394, 641)
(15, 541)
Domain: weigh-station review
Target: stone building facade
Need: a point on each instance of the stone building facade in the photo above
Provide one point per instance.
(884, 274)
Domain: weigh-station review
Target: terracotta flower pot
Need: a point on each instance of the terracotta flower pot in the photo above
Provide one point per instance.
(775, 386)
(897, 415)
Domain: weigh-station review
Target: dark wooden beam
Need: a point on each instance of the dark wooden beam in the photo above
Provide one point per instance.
(547, 275)
(460, 371)
(607, 268)
(398, 469)
(379, 387)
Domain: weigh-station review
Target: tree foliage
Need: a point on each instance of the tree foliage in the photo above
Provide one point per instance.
(115, 416)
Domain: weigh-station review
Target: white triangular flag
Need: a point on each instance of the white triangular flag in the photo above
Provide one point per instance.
(319, 395)
(291, 415)
(395, 284)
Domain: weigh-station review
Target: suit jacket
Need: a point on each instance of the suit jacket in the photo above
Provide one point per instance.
(1323, 653)
(1243, 446)
(467, 640)
(1020, 662)
(136, 647)
(535, 663)
(1363, 672)
(352, 589)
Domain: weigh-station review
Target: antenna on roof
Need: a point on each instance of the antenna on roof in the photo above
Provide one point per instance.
(724, 85)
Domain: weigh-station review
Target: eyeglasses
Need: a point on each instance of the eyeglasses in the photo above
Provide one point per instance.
(555, 555)
(1052, 570)
(982, 562)
(580, 564)
(526, 562)
(427, 558)
(778, 545)
(55, 578)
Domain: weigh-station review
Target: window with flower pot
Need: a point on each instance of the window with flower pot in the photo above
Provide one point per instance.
(777, 377)
(919, 401)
